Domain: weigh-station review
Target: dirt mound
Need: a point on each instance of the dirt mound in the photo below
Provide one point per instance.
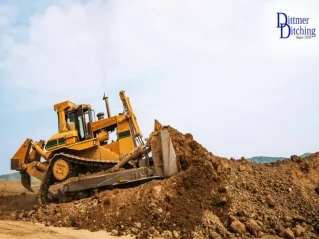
(13, 196)
(212, 197)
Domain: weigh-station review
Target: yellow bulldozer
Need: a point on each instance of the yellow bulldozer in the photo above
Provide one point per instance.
(81, 159)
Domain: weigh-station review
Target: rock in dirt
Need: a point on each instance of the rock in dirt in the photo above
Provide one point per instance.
(253, 227)
(238, 227)
(289, 234)
(299, 231)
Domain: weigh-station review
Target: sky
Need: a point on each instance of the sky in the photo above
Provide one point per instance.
(215, 69)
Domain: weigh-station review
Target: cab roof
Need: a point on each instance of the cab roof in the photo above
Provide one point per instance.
(69, 106)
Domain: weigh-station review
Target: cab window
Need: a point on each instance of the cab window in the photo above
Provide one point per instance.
(81, 127)
(70, 117)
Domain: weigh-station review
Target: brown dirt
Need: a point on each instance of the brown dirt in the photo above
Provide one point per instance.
(27, 230)
(212, 197)
(13, 196)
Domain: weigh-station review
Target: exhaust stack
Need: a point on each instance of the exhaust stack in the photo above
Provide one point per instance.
(107, 105)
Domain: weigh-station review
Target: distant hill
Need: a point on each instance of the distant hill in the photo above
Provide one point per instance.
(11, 176)
(304, 155)
(267, 159)
(14, 177)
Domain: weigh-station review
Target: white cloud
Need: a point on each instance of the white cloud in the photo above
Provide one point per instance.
(215, 68)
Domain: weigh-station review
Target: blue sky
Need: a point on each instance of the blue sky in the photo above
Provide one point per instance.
(216, 69)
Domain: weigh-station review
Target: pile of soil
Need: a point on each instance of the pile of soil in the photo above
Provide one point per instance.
(212, 197)
(13, 196)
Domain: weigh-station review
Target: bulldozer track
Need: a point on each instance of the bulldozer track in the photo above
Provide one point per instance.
(49, 180)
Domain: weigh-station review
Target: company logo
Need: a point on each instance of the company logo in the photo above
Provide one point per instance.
(294, 26)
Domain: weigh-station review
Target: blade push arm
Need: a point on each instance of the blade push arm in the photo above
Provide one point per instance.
(130, 113)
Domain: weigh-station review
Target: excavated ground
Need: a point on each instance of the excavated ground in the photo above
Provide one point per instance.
(212, 197)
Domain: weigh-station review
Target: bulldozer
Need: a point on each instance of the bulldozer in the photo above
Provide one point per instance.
(81, 159)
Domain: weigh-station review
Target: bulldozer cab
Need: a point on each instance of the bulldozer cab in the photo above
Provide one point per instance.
(77, 118)
(81, 118)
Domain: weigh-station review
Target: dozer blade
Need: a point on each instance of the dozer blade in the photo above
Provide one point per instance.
(163, 154)
(26, 181)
